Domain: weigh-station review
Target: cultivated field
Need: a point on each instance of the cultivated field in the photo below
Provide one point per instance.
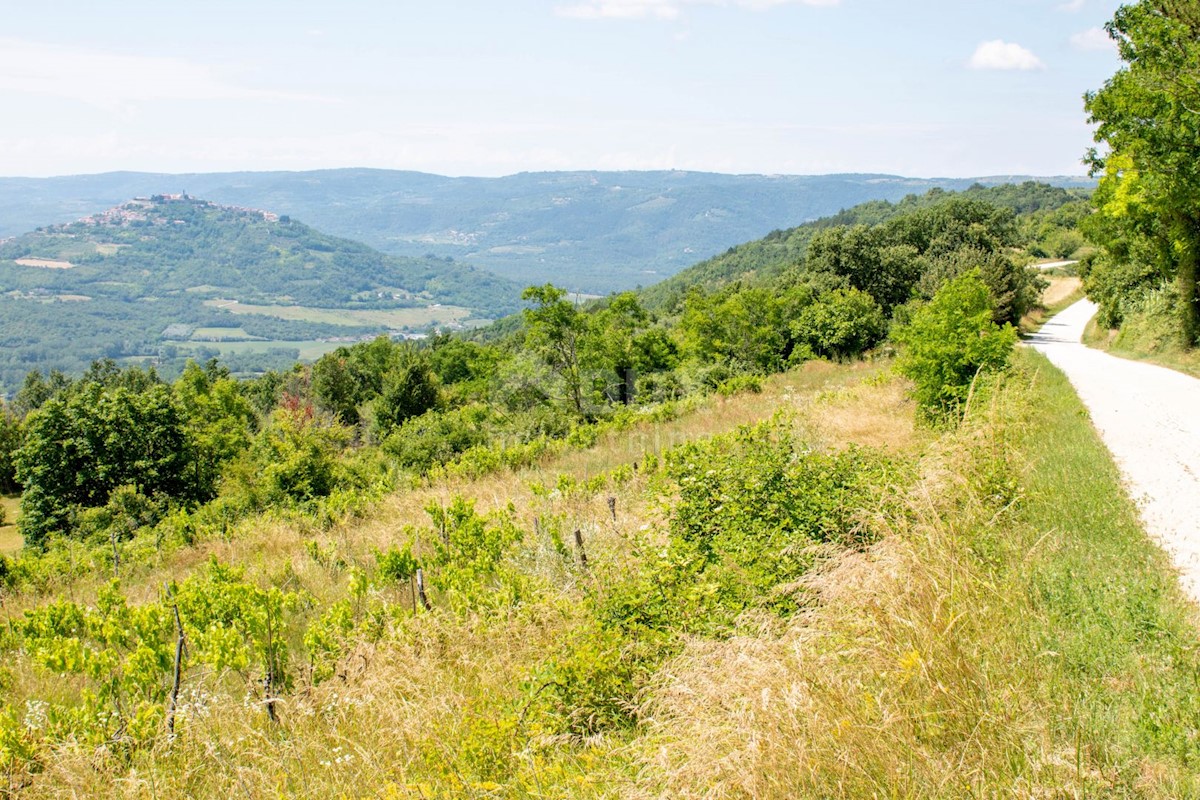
(308, 350)
(220, 335)
(44, 263)
(396, 318)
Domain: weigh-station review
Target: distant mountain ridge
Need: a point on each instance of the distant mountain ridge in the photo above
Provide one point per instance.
(587, 231)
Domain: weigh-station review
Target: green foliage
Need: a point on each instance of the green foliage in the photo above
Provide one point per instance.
(220, 422)
(409, 390)
(10, 442)
(292, 460)
(738, 327)
(751, 506)
(123, 651)
(1146, 114)
(437, 437)
(232, 624)
(841, 324)
(950, 342)
(396, 565)
(740, 383)
(468, 555)
(751, 513)
(78, 449)
(1013, 289)
(870, 259)
(556, 329)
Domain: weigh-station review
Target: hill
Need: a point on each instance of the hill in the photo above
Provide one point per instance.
(1045, 216)
(587, 231)
(155, 275)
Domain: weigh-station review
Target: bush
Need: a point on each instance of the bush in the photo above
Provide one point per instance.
(436, 437)
(751, 506)
(841, 324)
(949, 343)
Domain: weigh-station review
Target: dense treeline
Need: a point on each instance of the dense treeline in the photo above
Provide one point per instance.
(1045, 226)
(1148, 200)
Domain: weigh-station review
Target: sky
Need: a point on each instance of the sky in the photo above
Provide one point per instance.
(922, 88)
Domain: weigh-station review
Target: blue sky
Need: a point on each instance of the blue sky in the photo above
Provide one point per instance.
(934, 88)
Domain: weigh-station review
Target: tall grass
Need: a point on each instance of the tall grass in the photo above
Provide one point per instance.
(1016, 636)
(1013, 634)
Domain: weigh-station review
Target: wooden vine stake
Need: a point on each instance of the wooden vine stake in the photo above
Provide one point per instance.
(421, 590)
(579, 548)
(612, 507)
(269, 679)
(173, 703)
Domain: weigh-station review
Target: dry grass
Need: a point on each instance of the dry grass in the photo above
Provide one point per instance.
(924, 668)
(1062, 288)
(890, 687)
(404, 712)
(44, 263)
(977, 651)
(10, 540)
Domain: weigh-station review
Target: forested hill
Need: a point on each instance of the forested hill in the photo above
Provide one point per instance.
(1044, 225)
(154, 276)
(171, 243)
(587, 231)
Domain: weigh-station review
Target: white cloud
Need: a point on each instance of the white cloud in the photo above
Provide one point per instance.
(1072, 5)
(666, 9)
(999, 54)
(114, 81)
(1093, 39)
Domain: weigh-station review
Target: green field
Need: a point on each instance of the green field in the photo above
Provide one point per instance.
(394, 318)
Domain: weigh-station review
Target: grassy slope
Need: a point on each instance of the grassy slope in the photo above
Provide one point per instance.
(1015, 635)
(1145, 339)
(1060, 292)
(10, 540)
(1018, 636)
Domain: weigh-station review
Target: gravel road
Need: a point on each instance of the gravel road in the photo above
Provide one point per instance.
(1149, 417)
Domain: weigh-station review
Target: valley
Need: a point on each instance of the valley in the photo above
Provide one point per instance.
(593, 232)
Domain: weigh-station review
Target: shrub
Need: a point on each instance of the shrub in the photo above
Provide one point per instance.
(436, 437)
(751, 505)
(949, 343)
(841, 324)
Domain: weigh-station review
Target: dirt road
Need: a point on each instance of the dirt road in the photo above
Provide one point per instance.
(1149, 417)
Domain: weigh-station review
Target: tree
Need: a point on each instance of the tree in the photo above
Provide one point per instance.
(555, 327)
(1014, 288)
(737, 327)
(220, 423)
(409, 390)
(841, 324)
(870, 260)
(78, 449)
(10, 441)
(1148, 116)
